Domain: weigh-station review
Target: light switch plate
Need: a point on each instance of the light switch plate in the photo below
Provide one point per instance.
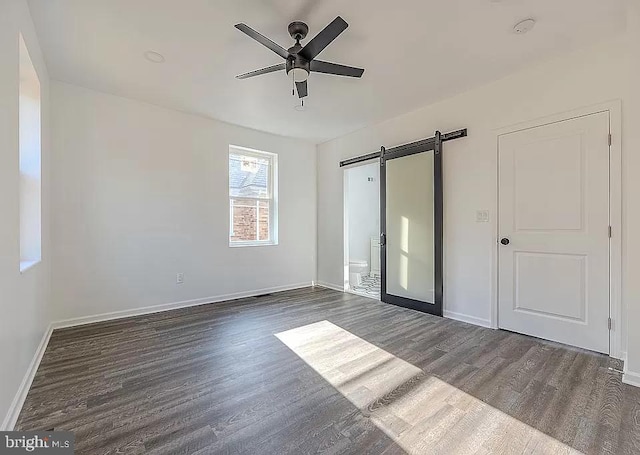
(482, 216)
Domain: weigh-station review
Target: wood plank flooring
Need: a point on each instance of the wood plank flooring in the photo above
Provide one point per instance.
(318, 371)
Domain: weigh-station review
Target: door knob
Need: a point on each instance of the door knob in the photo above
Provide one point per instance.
(504, 241)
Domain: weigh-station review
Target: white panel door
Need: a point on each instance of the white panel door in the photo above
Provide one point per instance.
(554, 214)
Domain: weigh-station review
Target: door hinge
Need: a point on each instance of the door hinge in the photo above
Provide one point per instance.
(609, 323)
(610, 139)
(610, 232)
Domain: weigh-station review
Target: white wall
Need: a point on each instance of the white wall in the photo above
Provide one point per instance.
(141, 193)
(363, 209)
(581, 79)
(24, 298)
(631, 164)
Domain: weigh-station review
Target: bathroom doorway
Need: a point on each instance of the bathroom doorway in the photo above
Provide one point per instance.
(362, 229)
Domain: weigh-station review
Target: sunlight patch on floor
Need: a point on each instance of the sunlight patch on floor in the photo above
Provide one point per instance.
(421, 413)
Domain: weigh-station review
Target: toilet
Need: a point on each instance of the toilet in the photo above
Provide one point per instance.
(356, 270)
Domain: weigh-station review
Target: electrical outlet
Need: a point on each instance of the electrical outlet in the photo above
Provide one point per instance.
(482, 216)
(180, 278)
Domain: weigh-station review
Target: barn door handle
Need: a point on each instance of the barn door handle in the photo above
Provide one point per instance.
(504, 241)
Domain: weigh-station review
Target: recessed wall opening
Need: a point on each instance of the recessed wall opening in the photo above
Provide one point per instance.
(30, 162)
(362, 229)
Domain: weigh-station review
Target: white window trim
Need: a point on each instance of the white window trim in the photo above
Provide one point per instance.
(273, 200)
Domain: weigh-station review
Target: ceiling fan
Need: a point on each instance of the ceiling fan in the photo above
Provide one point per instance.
(299, 60)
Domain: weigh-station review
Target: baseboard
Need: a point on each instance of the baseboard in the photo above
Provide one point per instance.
(468, 319)
(11, 418)
(73, 322)
(631, 378)
(323, 284)
(447, 314)
(622, 356)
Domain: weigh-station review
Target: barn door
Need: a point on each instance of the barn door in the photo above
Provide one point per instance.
(411, 225)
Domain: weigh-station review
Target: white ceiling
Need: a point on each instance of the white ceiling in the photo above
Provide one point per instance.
(414, 52)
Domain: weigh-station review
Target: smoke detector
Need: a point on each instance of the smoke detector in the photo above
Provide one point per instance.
(524, 26)
(154, 57)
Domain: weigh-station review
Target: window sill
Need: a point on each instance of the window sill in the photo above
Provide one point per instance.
(26, 265)
(249, 244)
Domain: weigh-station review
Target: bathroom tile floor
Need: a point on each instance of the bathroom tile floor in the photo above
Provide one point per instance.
(370, 286)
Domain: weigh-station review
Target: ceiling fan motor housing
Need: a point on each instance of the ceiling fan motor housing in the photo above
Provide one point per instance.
(296, 61)
(297, 30)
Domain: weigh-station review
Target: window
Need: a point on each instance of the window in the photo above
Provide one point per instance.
(30, 157)
(253, 191)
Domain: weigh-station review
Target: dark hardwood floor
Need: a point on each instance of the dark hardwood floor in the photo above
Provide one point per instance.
(317, 371)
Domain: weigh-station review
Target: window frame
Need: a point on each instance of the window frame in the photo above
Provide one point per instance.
(272, 198)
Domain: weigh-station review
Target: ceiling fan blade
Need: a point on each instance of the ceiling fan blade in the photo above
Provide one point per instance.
(281, 51)
(319, 66)
(323, 39)
(268, 69)
(302, 89)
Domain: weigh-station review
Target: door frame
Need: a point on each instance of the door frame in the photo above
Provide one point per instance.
(345, 222)
(614, 108)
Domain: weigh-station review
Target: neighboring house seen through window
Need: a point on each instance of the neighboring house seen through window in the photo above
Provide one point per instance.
(253, 213)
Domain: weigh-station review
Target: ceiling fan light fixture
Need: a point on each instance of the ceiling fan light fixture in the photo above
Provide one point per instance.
(299, 74)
